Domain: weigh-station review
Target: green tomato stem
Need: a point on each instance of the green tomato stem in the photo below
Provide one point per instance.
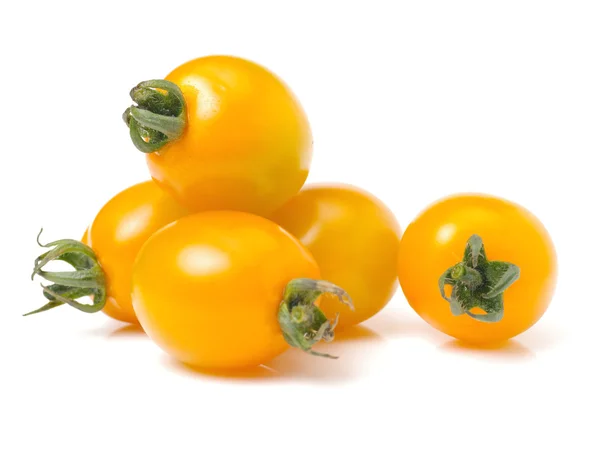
(158, 117)
(87, 280)
(303, 324)
(478, 283)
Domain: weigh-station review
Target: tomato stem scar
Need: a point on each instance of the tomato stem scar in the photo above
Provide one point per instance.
(158, 117)
(86, 280)
(478, 283)
(303, 324)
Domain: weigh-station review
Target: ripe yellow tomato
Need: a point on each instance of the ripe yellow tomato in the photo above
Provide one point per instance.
(478, 268)
(354, 238)
(241, 140)
(115, 237)
(207, 289)
(111, 307)
(119, 231)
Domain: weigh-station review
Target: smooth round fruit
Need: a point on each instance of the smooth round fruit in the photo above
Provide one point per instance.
(247, 144)
(111, 307)
(354, 238)
(117, 234)
(436, 241)
(207, 288)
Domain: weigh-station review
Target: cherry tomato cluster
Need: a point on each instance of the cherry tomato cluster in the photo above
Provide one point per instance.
(225, 260)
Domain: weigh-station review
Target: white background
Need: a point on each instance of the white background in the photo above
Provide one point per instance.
(410, 100)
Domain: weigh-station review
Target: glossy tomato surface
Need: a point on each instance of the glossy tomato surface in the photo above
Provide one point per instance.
(111, 307)
(354, 237)
(436, 240)
(247, 145)
(207, 288)
(117, 234)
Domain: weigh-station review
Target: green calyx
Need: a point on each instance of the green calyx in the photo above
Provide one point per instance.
(158, 117)
(86, 280)
(303, 324)
(478, 283)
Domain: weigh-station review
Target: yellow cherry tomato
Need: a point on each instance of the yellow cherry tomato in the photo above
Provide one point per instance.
(208, 289)
(115, 236)
(354, 238)
(478, 268)
(239, 139)
(111, 307)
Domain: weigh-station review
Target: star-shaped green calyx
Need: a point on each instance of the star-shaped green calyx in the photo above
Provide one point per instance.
(478, 283)
(87, 280)
(158, 117)
(302, 323)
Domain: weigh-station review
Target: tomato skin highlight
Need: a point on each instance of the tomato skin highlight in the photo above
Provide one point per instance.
(436, 240)
(117, 234)
(247, 145)
(207, 288)
(354, 238)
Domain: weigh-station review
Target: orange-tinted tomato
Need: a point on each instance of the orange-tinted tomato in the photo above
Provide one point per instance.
(111, 307)
(247, 145)
(354, 238)
(117, 234)
(435, 242)
(207, 288)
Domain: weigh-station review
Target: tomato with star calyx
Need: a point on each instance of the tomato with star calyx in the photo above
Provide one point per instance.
(225, 290)
(111, 308)
(478, 268)
(222, 133)
(103, 260)
(354, 237)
